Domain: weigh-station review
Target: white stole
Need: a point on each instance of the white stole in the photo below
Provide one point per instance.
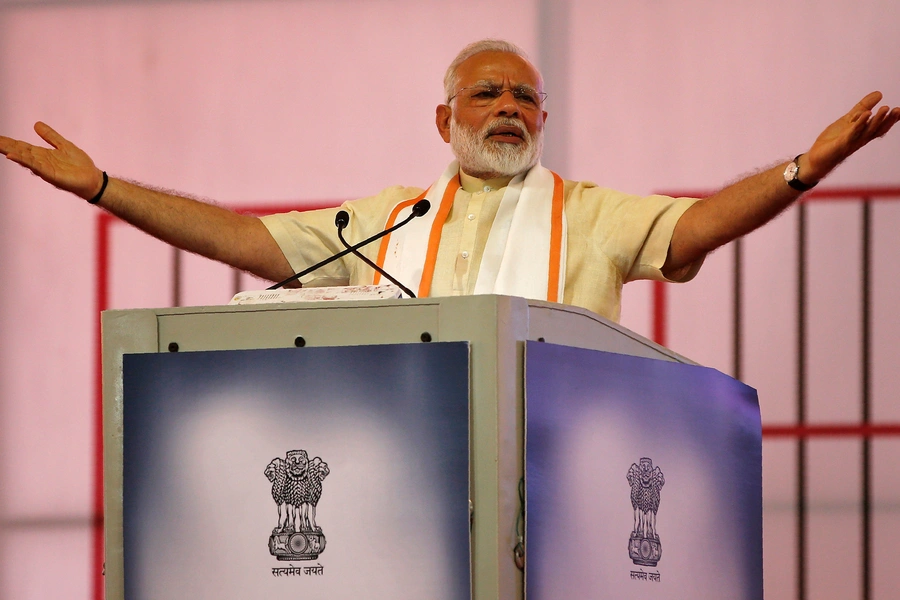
(519, 249)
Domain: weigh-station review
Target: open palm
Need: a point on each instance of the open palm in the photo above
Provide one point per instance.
(850, 133)
(65, 165)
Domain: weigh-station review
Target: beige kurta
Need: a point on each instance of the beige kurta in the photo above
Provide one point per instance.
(613, 238)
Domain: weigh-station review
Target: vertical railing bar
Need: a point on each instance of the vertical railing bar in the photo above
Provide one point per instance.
(801, 401)
(738, 316)
(866, 415)
(235, 281)
(102, 301)
(176, 277)
(660, 312)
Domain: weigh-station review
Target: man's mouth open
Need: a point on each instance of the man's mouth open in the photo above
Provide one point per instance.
(506, 133)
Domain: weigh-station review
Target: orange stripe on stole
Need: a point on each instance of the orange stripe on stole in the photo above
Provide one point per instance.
(556, 229)
(434, 239)
(382, 249)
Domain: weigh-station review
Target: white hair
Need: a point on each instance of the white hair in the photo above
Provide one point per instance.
(486, 45)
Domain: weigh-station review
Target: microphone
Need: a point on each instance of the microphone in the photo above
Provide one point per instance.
(419, 208)
(341, 220)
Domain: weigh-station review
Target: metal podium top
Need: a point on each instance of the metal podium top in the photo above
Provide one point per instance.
(460, 318)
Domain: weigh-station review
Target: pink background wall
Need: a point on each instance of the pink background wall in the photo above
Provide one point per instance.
(303, 101)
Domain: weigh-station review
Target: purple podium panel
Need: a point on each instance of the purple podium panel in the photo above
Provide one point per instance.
(339, 472)
(643, 479)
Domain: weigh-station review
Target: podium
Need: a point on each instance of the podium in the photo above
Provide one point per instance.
(463, 447)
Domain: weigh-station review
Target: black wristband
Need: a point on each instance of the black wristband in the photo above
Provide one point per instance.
(99, 195)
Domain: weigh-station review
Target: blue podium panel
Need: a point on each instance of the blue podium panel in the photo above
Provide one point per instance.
(297, 473)
(643, 479)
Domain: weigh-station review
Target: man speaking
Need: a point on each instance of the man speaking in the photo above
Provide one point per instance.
(500, 221)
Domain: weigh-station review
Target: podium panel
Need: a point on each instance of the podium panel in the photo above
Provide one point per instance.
(643, 478)
(303, 472)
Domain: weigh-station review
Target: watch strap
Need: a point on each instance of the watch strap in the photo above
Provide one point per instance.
(795, 182)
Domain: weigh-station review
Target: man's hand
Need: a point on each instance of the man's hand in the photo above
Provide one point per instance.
(753, 201)
(847, 135)
(238, 240)
(65, 166)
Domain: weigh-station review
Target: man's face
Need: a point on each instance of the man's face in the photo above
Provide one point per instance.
(495, 121)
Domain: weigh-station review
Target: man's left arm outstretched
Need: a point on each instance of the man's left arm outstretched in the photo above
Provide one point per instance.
(750, 203)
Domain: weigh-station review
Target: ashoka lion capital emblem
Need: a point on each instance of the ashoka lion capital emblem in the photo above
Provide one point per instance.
(296, 488)
(646, 482)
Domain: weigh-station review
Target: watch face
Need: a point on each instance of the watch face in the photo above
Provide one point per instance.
(790, 173)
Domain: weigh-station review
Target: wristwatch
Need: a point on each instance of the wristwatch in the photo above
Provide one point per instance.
(792, 176)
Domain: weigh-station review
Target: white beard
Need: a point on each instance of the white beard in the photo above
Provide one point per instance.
(487, 159)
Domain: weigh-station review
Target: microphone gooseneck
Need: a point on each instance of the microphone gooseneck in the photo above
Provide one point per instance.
(419, 208)
(341, 220)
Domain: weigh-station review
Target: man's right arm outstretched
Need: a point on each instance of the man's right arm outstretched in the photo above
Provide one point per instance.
(206, 229)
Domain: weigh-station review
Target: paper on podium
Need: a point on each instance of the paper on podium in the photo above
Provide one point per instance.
(317, 294)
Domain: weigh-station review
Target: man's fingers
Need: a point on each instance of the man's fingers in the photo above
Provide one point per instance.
(26, 156)
(26, 160)
(15, 158)
(869, 102)
(877, 121)
(16, 152)
(889, 121)
(7, 145)
(49, 135)
(35, 158)
(879, 124)
(858, 125)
